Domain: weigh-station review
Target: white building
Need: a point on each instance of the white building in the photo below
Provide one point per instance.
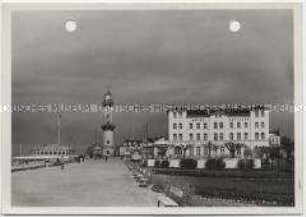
(216, 127)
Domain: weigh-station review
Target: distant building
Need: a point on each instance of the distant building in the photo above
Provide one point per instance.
(206, 132)
(48, 152)
(129, 147)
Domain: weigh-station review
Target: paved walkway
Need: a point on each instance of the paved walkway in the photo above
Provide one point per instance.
(92, 183)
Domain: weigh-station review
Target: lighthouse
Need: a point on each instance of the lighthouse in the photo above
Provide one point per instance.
(107, 126)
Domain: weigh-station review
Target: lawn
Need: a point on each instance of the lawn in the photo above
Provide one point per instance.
(260, 191)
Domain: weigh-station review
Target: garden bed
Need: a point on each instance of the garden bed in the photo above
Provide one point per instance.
(232, 173)
(248, 190)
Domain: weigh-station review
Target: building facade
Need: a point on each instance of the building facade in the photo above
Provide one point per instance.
(200, 131)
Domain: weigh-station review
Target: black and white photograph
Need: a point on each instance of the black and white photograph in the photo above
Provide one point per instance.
(154, 108)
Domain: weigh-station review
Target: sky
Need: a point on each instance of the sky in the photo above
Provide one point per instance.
(145, 56)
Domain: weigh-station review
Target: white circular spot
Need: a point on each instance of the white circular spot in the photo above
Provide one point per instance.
(234, 26)
(71, 25)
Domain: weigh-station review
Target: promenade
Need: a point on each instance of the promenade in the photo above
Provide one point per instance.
(90, 183)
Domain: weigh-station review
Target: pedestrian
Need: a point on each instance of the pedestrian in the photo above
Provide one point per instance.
(106, 158)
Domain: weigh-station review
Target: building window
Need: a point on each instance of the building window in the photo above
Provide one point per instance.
(256, 125)
(256, 113)
(245, 136)
(215, 125)
(206, 151)
(215, 136)
(198, 126)
(190, 126)
(256, 136)
(190, 136)
(205, 125)
(262, 124)
(198, 137)
(221, 125)
(174, 115)
(180, 136)
(174, 126)
(231, 125)
(180, 114)
(262, 136)
(198, 151)
(174, 136)
(231, 136)
(238, 136)
(205, 136)
(180, 126)
(238, 125)
(245, 124)
(262, 113)
(221, 136)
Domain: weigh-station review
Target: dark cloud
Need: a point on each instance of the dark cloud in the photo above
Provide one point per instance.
(164, 56)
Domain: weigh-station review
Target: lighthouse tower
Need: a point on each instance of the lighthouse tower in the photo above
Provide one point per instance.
(108, 127)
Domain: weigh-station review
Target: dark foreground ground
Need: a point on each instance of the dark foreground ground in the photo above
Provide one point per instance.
(258, 191)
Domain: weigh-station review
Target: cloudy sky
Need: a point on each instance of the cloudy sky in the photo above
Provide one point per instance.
(146, 56)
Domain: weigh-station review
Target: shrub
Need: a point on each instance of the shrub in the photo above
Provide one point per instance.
(215, 164)
(157, 163)
(246, 164)
(188, 163)
(164, 164)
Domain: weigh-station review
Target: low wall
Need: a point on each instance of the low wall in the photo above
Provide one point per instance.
(257, 163)
(231, 163)
(201, 164)
(174, 163)
(151, 162)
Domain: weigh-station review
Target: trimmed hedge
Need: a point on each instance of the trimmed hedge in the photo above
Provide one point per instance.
(157, 163)
(246, 164)
(215, 164)
(164, 164)
(188, 163)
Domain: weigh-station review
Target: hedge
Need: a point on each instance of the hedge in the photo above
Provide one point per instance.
(188, 163)
(164, 164)
(157, 163)
(215, 164)
(246, 164)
